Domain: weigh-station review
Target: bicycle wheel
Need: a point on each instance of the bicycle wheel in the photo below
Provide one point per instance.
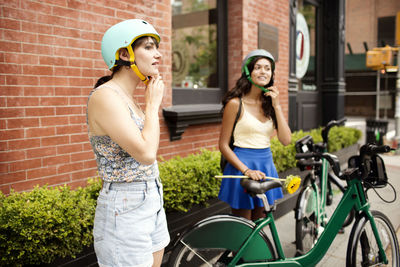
(215, 240)
(362, 248)
(306, 220)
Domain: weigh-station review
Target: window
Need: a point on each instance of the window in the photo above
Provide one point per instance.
(198, 51)
(199, 63)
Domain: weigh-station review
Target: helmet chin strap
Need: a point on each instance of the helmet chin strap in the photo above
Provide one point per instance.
(132, 64)
(248, 76)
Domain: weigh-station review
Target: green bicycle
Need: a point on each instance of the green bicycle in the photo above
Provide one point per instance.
(225, 240)
(314, 203)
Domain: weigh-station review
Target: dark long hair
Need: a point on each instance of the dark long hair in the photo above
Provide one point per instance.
(115, 69)
(243, 86)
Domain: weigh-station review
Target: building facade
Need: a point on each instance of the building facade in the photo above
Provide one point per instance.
(50, 59)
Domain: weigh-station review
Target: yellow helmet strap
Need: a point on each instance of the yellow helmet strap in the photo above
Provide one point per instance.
(134, 67)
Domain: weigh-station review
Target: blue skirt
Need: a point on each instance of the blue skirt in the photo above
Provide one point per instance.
(255, 159)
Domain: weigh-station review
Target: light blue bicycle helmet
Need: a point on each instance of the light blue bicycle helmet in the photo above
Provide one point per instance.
(122, 35)
(249, 58)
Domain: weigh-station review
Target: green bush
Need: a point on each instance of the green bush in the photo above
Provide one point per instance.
(339, 137)
(40, 225)
(190, 180)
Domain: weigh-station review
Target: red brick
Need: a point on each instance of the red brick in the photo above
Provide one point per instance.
(66, 149)
(38, 91)
(23, 144)
(38, 70)
(25, 165)
(53, 121)
(82, 156)
(22, 80)
(40, 152)
(79, 138)
(40, 112)
(41, 172)
(53, 61)
(22, 123)
(67, 168)
(83, 174)
(3, 146)
(10, 24)
(79, 120)
(90, 164)
(68, 110)
(6, 68)
(39, 132)
(30, 184)
(11, 112)
(70, 129)
(12, 177)
(56, 160)
(59, 81)
(54, 101)
(9, 156)
(11, 134)
(22, 101)
(10, 46)
(37, 28)
(4, 168)
(11, 91)
(55, 140)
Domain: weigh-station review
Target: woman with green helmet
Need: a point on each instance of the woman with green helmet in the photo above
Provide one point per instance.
(130, 226)
(252, 115)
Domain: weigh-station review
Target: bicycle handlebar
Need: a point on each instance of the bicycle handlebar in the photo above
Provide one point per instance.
(332, 159)
(331, 124)
(371, 149)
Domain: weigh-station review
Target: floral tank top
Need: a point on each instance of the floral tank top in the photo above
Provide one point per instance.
(115, 164)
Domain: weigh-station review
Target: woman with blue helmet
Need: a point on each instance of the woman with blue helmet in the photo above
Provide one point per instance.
(130, 226)
(256, 99)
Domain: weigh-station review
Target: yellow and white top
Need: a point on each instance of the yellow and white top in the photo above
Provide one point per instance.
(251, 132)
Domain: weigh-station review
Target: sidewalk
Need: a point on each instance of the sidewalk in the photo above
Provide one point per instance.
(336, 255)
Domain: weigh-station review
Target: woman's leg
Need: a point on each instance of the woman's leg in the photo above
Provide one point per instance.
(242, 213)
(157, 257)
(257, 213)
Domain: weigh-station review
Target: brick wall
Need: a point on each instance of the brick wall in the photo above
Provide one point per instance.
(50, 59)
(362, 21)
(243, 31)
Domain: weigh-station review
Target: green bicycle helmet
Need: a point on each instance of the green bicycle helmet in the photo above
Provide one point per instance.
(249, 58)
(122, 35)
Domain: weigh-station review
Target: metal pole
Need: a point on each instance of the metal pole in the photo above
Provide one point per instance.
(397, 104)
(378, 88)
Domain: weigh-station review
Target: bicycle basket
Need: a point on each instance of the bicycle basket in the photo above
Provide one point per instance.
(305, 144)
(377, 176)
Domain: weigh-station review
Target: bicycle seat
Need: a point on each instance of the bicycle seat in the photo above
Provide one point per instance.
(259, 187)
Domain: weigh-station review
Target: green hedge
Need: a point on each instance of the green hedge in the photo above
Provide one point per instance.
(46, 223)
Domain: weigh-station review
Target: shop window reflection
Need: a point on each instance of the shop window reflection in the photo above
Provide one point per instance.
(194, 44)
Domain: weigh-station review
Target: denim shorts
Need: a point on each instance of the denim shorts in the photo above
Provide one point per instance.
(129, 224)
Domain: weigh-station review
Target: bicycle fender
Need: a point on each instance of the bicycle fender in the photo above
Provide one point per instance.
(301, 209)
(228, 232)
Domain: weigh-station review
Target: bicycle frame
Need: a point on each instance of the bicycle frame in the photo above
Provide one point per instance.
(354, 197)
